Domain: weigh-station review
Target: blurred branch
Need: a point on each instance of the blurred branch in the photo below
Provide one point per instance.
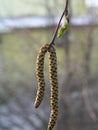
(87, 54)
(86, 98)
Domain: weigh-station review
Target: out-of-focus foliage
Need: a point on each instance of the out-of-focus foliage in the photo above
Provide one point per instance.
(43, 7)
(78, 7)
(18, 51)
(77, 72)
(29, 7)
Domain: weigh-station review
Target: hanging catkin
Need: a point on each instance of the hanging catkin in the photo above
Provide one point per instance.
(53, 82)
(54, 87)
(40, 75)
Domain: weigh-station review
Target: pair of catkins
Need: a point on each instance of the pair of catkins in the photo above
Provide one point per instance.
(53, 81)
(53, 76)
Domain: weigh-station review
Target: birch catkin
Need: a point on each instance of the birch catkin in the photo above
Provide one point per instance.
(53, 82)
(54, 87)
(40, 75)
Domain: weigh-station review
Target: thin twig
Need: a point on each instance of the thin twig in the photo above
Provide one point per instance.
(65, 12)
(66, 8)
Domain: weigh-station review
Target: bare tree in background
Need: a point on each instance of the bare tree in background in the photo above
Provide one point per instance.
(88, 52)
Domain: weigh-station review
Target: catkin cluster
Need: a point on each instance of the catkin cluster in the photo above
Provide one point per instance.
(53, 82)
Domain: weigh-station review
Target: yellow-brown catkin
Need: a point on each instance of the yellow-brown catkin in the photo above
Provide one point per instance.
(40, 75)
(54, 87)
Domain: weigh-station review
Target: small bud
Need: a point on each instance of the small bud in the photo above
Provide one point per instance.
(63, 27)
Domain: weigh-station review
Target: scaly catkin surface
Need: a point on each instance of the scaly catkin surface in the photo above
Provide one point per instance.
(53, 82)
(54, 88)
(40, 75)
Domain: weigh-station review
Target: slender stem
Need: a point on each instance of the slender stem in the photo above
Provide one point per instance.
(66, 8)
(65, 12)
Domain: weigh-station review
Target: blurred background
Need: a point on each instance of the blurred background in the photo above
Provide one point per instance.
(25, 25)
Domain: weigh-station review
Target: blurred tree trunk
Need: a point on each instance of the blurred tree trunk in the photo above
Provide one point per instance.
(66, 45)
(88, 52)
(0, 39)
